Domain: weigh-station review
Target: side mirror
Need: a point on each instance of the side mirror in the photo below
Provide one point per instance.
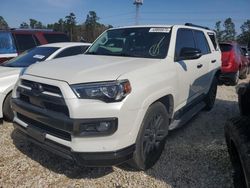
(189, 53)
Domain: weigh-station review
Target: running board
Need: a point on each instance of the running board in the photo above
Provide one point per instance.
(187, 116)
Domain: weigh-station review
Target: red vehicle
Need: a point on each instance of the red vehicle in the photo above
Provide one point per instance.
(15, 41)
(234, 63)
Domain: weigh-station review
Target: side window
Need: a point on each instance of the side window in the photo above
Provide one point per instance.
(71, 51)
(24, 42)
(214, 40)
(185, 39)
(201, 42)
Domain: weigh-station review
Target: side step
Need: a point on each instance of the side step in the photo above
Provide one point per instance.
(187, 116)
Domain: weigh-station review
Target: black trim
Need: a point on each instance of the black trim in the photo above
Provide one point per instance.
(178, 114)
(55, 123)
(83, 158)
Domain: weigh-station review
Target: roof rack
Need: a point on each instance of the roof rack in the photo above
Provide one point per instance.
(193, 25)
(28, 29)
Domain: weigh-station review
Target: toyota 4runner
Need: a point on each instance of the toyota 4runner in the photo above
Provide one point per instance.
(117, 102)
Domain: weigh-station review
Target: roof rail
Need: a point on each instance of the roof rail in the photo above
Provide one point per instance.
(28, 29)
(193, 25)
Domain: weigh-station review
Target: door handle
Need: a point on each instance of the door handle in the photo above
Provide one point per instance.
(213, 61)
(199, 65)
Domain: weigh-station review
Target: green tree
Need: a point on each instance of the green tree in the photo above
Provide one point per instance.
(70, 23)
(33, 23)
(3, 23)
(91, 25)
(244, 37)
(24, 25)
(218, 31)
(229, 34)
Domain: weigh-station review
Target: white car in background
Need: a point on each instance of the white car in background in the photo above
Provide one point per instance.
(10, 70)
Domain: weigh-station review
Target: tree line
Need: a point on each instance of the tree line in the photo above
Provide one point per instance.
(88, 31)
(91, 28)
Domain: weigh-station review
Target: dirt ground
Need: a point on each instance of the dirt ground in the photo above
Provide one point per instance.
(195, 156)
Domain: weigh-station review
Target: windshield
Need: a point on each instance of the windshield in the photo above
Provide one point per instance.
(31, 56)
(6, 43)
(133, 42)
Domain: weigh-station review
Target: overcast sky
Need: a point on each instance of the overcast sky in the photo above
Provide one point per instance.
(122, 12)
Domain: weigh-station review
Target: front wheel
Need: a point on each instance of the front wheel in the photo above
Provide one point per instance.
(151, 139)
(211, 96)
(8, 114)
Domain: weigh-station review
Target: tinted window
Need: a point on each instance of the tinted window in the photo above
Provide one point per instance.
(184, 39)
(133, 42)
(31, 56)
(6, 43)
(201, 42)
(226, 47)
(24, 42)
(51, 38)
(214, 40)
(72, 51)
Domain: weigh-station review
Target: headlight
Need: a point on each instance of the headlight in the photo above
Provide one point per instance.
(113, 91)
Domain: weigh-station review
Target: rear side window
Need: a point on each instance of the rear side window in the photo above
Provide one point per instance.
(201, 42)
(51, 38)
(71, 51)
(25, 42)
(185, 39)
(214, 40)
(6, 43)
(226, 47)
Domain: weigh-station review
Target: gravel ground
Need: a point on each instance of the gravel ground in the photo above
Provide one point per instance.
(195, 156)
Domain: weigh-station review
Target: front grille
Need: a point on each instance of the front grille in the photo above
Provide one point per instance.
(45, 128)
(43, 96)
(46, 87)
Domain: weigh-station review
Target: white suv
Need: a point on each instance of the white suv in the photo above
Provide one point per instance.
(117, 102)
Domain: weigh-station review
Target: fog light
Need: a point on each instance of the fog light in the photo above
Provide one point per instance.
(103, 127)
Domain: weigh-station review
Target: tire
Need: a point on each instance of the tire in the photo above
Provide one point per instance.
(244, 101)
(211, 96)
(237, 133)
(244, 75)
(235, 78)
(8, 114)
(151, 138)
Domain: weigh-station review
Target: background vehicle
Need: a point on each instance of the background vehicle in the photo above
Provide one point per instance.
(237, 133)
(16, 41)
(10, 70)
(247, 55)
(234, 63)
(120, 99)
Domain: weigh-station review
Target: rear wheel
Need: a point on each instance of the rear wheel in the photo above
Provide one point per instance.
(8, 114)
(244, 74)
(151, 138)
(235, 78)
(211, 96)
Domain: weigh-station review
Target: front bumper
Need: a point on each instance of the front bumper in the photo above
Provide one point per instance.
(82, 158)
(42, 127)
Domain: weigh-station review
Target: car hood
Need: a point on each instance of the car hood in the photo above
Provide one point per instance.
(9, 71)
(88, 68)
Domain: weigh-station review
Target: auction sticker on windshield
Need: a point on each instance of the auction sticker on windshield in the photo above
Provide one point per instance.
(38, 56)
(159, 30)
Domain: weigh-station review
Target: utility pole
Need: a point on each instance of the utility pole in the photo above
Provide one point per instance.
(137, 4)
